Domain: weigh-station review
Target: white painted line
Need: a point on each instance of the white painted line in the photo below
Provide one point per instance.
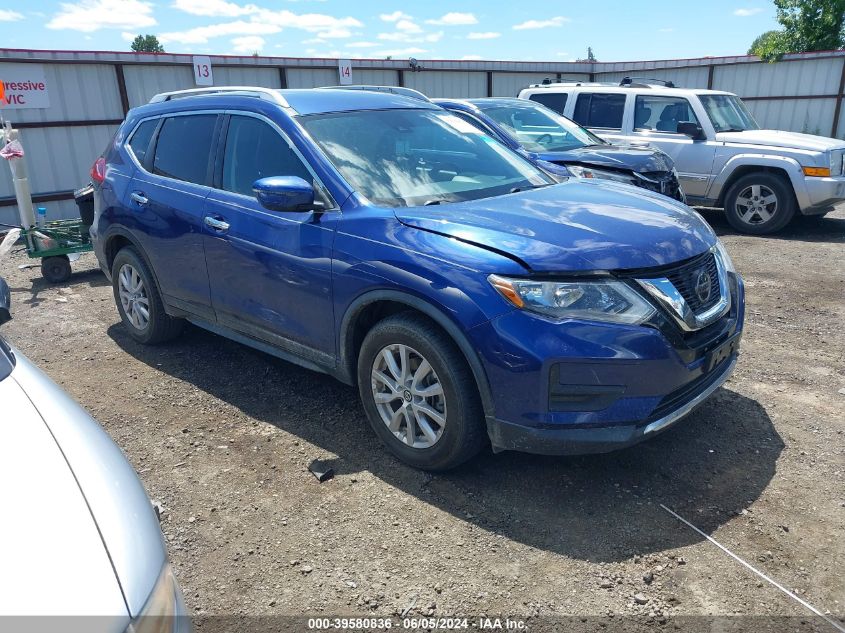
(806, 604)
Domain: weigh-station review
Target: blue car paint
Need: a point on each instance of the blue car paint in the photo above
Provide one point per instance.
(293, 283)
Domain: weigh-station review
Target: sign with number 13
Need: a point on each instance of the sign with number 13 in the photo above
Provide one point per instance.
(202, 71)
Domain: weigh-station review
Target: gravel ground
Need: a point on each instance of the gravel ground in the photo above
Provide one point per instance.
(222, 435)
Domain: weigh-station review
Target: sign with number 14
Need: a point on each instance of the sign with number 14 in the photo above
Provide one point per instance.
(202, 71)
(344, 69)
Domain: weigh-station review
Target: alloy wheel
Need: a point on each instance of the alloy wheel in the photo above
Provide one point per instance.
(133, 297)
(756, 204)
(409, 396)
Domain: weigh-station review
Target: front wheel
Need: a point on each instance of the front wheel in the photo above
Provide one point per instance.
(760, 203)
(419, 393)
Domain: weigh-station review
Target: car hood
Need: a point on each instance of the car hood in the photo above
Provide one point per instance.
(574, 226)
(628, 157)
(780, 138)
(54, 560)
(119, 512)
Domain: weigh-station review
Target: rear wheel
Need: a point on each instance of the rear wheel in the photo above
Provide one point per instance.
(760, 203)
(419, 393)
(140, 306)
(56, 269)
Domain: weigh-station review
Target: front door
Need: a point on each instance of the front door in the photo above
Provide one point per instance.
(656, 121)
(270, 271)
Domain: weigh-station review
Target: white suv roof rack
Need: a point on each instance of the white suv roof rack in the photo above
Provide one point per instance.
(627, 82)
(553, 84)
(267, 94)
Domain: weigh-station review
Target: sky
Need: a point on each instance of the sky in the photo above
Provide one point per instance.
(617, 30)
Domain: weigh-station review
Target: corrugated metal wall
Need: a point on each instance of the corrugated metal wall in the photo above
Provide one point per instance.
(84, 86)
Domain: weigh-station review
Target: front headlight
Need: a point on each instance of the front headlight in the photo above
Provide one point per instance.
(836, 158)
(722, 252)
(595, 300)
(160, 613)
(580, 171)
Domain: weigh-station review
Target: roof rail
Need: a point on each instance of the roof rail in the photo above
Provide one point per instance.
(398, 90)
(552, 84)
(645, 82)
(267, 94)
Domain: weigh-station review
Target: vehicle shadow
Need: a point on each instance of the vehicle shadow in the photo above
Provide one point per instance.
(801, 229)
(600, 508)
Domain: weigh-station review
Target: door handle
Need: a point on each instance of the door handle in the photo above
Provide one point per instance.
(216, 224)
(139, 197)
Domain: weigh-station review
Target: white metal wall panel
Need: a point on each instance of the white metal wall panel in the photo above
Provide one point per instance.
(243, 76)
(810, 116)
(312, 77)
(374, 77)
(142, 82)
(438, 83)
(58, 158)
(682, 77)
(77, 92)
(808, 77)
(58, 210)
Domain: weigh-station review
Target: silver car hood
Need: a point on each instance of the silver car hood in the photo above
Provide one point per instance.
(779, 138)
(79, 509)
(54, 561)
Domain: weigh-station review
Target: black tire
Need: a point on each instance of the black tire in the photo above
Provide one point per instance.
(160, 326)
(464, 434)
(56, 269)
(771, 217)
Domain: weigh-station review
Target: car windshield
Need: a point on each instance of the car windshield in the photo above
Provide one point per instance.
(728, 113)
(418, 156)
(539, 129)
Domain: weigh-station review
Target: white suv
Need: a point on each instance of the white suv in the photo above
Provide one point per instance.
(760, 177)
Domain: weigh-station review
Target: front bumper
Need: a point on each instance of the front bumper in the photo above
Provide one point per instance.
(822, 195)
(578, 387)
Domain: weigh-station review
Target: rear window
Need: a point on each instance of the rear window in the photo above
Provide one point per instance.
(140, 141)
(599, 110)
(184, 146)
(553, 100)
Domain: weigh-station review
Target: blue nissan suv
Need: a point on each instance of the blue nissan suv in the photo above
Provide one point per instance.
(386, 242)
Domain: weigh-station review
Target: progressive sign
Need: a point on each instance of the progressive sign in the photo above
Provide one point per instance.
(23, 86)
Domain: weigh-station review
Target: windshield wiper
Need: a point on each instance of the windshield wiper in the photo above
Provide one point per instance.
(528, 187)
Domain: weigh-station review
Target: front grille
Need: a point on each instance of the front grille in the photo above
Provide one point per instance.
(664, 182)
(686, 277)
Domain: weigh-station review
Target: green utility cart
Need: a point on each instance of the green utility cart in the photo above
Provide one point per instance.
(54, 243)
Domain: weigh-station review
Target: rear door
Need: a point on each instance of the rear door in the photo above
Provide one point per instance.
(602, 112)
(270, 271)
(655, 122)
(167, 199)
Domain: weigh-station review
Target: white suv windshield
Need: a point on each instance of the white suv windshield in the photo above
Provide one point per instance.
(415, 157)
(728, 113)
(538, 129)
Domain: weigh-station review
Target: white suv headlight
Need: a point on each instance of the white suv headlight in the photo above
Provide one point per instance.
(595, 300)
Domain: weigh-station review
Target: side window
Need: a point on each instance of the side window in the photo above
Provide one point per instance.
(599, 109)
(553, 100)
(472, 121)
(255, 150)
(662, 113)
(183, 147)
(140, 141)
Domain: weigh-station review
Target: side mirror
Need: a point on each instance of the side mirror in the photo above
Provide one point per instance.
(5, 302)
(285, 193)
(693, 130)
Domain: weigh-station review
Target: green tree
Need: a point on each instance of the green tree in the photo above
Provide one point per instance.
(147, 44)
(808, 25)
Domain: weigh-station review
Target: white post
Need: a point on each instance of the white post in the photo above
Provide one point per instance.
(21, 184)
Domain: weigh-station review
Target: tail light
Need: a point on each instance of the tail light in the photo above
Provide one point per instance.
(98, 170)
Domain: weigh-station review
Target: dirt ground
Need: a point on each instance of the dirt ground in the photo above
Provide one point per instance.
(222, 435)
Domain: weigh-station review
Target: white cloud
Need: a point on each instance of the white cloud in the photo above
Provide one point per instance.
(201, 34)
(215, 8)
(92, 15)
(335, 34)
(411, 39)
(361, 45)
(395, 16)
(10, 16)
(541, 24)
(744, 13)
(315, 40)
(248, 44)
(471, 57)
(487, 35)
(454, 19)
(408, 26)
(128, 37)
(312, 22)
